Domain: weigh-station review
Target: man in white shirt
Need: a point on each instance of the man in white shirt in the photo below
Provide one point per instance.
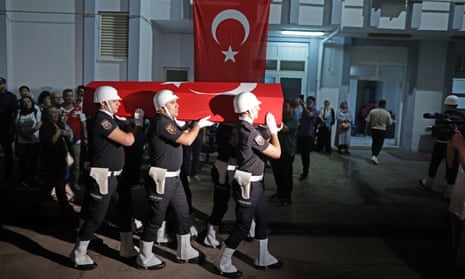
(378, 121)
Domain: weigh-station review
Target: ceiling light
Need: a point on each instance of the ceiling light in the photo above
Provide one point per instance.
(303, 33)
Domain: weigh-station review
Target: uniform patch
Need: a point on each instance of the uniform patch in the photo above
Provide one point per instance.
(171, 129)
(259, 140)
(105, 124)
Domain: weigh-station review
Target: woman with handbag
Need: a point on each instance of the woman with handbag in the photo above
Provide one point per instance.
(343, 131)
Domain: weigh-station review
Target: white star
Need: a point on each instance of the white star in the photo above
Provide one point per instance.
(175, 83)
(229, 54)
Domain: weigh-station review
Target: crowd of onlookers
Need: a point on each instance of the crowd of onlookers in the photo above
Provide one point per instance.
(48, 138)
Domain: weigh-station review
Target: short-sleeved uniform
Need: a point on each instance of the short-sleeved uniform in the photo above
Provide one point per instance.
(103, 153)
(250, 147)
(222, 191)
(167, 154)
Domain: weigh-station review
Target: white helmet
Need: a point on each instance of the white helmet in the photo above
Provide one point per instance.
(162, 98)
(451, 100)
(105, 93)
(245, 101)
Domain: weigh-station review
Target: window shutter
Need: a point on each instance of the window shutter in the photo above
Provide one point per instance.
(114, 29)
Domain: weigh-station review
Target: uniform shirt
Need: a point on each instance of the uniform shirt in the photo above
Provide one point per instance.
(103, 152)
(250, 148)
(226, 151)
(379, 119)
(165, 152)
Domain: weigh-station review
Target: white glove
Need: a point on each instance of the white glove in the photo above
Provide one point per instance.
(204, 122)
(271, 124)
(139, 117)
(121, 118)
(180, 123)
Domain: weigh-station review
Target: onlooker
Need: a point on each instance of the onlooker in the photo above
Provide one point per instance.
(440, 151)
(53, 137)
(8, 108)
(326, 118)
(457, 203)
(56, 99)
(24, 90)
(343, 130)
(28, 122)
(299, 106)
(377, 121)
(306, 135)
(77, 122)
(44, 100)
(283, 166)
(80, 96)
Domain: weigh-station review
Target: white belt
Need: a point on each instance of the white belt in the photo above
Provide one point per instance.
(115, 173)
(172, 173)
(231, 167)
(256, 178)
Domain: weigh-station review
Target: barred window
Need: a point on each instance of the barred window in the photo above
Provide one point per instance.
(114, 29)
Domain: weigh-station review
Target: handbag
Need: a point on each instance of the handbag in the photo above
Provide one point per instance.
(345, 125)
(68, 158)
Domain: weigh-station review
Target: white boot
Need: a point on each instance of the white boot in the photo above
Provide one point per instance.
(210, 238)
(264, 258)
(79, 256)
(224, 264)
(146, 258)
(127, 248)
(184, 251)
(162, 236)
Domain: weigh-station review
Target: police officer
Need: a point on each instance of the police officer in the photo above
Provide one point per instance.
(222, 174)
(251, 201)
(106, 156)
(164, 186)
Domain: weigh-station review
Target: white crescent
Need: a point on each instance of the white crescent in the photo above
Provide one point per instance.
(231, 14)
(243, 87)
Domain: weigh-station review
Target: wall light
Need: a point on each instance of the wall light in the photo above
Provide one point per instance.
(303, 33)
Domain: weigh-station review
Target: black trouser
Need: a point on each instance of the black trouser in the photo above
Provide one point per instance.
(305, 144)
(158, 204)
(324, 139)
(282, 171)
(95, 206)
(6, 143)
(254, 208)
(221, 195)
(439, 153)
(377, 137)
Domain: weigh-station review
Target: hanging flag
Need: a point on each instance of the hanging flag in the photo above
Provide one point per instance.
(230, 40)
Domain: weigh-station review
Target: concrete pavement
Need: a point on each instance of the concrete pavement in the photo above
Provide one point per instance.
(350, 219)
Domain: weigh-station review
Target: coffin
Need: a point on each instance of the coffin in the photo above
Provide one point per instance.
(196, 99)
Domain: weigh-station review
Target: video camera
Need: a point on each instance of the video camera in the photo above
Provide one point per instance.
(445, 125)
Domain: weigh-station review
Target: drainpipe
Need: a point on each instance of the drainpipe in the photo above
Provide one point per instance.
(320, 58)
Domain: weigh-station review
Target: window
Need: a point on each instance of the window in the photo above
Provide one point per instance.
(114, 30)
(176, 74)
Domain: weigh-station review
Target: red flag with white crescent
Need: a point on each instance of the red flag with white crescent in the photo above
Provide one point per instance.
(196, 99)
(230, 39)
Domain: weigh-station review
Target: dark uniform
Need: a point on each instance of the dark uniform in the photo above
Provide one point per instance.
(8, 107)
(103, 153)
(226, 155)
(440, 151)
(165, 153)
(250, 144)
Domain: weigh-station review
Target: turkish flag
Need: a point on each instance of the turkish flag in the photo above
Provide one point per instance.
(230, 39)
(196, 99)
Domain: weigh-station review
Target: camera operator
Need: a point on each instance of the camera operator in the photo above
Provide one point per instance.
(440, 149)
(457, 203)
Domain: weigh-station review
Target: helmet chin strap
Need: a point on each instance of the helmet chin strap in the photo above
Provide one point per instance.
(168, 113)
(253, 113)
(109, 107)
